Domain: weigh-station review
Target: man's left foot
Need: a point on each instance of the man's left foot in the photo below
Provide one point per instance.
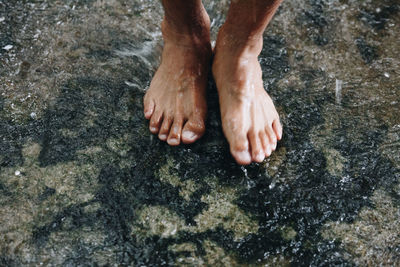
(249, 119)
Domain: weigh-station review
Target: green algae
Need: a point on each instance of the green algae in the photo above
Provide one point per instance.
(288, 233)
(372, 238)
(221, 211)
(335, 162)
(35, 194)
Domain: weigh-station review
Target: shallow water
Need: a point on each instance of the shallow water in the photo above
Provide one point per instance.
(83, 182)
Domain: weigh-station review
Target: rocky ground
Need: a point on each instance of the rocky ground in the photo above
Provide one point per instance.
(83, 182)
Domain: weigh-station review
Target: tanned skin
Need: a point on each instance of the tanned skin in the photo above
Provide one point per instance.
(176, 104)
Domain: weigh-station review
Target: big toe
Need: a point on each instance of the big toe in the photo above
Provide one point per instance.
(193, 130)
(240, 149)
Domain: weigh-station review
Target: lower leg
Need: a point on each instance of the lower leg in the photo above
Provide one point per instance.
(249, 118)
(175, 102)
(247, 19)
(187, 19)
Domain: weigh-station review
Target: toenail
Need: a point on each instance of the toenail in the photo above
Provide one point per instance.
(173, 141)
(244, 156)
(274, 146)
(188, 135)
(260, 156)
(162, 137)
(153, 129)
(268, 151)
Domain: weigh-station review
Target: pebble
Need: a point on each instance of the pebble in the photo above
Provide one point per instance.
(386, 75)
(2, 19)
(17, 173)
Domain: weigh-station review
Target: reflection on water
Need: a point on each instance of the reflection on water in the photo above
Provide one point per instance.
(83, 182)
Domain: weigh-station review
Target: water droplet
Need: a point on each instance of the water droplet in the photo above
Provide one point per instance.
(131, 84)
(17, 173)
(386, 75)
(7, 47)
(2, 19)
(33, 115)
(173, 232)
(272, 185)
(338, 91)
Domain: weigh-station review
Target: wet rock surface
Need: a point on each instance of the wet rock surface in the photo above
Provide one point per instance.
(83, 182)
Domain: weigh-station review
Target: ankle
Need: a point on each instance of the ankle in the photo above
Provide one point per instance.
(239, 43)
(184, 38)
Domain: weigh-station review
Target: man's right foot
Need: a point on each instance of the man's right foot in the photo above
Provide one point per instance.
(175, 103)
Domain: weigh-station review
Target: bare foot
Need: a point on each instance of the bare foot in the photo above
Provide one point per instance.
(175, 103)
(249, 119)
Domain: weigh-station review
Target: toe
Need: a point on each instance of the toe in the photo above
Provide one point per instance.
(240, 149)
(265, 143)
(155, 121)
(164, 130)
(194, 128)
(257, 151)
(271, 136)
(174, 137)
(276, 125)
(149, 105)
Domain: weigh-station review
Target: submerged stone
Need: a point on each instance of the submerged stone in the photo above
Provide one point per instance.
(83, 182)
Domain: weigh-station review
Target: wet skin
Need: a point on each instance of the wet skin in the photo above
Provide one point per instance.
(175, 103)
(249, 119)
